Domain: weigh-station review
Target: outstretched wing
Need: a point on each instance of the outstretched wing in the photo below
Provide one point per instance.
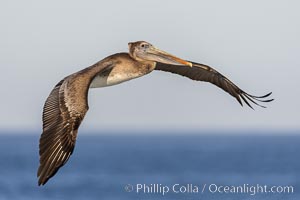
(200, 72)
(63, 112)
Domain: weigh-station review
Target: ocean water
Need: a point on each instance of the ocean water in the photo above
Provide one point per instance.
(145, 166)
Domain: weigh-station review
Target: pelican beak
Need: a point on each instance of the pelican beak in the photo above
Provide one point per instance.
(164, 57)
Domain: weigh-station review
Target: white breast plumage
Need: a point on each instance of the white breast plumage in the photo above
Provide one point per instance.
(111, 79)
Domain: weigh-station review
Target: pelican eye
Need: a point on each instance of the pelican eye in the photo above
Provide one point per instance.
(145, 45)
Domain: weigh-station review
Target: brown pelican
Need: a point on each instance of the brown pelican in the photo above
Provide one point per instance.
(67, 104)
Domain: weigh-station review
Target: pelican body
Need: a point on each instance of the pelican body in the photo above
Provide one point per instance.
(119, 74)
(67, 103)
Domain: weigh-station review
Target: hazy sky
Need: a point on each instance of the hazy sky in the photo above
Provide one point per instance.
(254, 43)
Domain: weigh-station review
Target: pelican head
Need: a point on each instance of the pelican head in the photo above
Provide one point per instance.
(144, 51)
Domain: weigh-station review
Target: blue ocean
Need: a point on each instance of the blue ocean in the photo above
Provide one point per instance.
(168, 166)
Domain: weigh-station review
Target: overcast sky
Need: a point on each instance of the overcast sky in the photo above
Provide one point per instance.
(254, 43)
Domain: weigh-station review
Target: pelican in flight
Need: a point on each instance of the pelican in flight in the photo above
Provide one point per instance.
(67, 103)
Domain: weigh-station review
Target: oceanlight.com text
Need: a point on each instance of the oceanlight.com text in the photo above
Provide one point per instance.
(250, 189)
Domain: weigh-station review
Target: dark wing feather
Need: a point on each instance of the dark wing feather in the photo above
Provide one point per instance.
(200, 72)
(63, 113)
(60, 125)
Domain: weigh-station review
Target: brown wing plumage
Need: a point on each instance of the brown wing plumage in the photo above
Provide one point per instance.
(200, 72)
(61, 120)
(63, 113)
